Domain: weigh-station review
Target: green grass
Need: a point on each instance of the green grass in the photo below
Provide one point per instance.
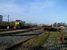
(37, 40)
(55, 37)
(65, 34)
(41, 39)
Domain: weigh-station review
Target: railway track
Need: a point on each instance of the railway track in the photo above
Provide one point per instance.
(18, 44)
(15, 40)
(37, 32)
(18, 31)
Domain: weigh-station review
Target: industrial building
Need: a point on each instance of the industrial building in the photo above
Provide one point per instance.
(1, 18)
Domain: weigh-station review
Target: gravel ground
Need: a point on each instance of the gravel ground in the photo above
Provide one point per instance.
(53, 42)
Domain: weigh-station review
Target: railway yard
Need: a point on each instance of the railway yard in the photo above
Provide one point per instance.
(35, 39)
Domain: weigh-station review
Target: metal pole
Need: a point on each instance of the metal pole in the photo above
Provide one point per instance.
(8, 18)
(8, 22)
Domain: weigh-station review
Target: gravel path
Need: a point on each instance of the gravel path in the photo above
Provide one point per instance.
(53, 42)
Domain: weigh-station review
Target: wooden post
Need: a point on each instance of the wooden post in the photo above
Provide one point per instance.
(62, 35)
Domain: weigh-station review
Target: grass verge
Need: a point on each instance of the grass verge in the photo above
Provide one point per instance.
(38, 40)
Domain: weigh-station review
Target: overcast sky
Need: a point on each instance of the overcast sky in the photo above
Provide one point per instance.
(35, 11)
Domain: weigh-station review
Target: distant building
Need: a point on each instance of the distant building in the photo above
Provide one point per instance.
(1, 18)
